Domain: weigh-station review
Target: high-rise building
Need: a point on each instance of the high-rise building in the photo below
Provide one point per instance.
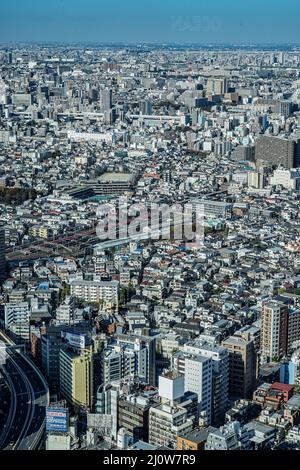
(129, 355)
(50, 346)
(274, 330)
(110, 116)
(2, 255)
(76, 375)
(288, 179)
(107, 404)
(10, 57)
(171, 386)
(105, 99)
(242, 366)
(198, 379)
(145, 107)
(293, 328)
(256, 179)
(17, 320)
(174, 415)
(220, 376)
(217, 86)
(278, 151)
(244, 153)
(284, 108)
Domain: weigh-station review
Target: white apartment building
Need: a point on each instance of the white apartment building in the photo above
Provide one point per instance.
(220, 372)
(288, 179)
(198, 379)
(17, 319)
(96, 291)
(65, 313)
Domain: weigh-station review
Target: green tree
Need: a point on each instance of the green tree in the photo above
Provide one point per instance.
(123, 296)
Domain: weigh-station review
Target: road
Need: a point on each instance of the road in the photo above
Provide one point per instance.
(25, 423)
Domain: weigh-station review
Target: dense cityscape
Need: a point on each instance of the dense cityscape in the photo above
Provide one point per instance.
(139, 335)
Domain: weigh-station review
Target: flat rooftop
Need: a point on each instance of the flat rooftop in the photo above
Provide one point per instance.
(197, 435)
(172, 375)
(116, 178)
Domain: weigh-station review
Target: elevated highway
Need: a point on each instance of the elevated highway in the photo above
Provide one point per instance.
(25, 423)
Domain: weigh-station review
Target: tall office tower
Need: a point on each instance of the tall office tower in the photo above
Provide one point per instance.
(281, 58)
(293, 329)
(242, 366)
(76, 373)
(278, 151)
(110, 116)
(51, 343)
(129, 355)
(217, 86)
(93, 95)
(220, 375)
(145, 107)
(17, 320)
(107, 404)
(105, 99)
(274, 330)
(256, 179)
(284, 108)
(198, 379)
(2, 255)
(244, 153)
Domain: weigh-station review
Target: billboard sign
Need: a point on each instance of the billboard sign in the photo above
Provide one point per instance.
(76, 340)
(57, 419)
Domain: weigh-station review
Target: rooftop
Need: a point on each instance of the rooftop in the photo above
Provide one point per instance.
(116, 178)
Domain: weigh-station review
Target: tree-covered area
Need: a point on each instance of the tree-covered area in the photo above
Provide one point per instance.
(16, 195)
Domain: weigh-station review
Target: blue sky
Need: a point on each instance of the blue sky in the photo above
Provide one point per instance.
(150, 21)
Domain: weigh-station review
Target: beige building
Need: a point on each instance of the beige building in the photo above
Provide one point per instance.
(217, 86)
(274, 330)
(76, 375)
(166, 422)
